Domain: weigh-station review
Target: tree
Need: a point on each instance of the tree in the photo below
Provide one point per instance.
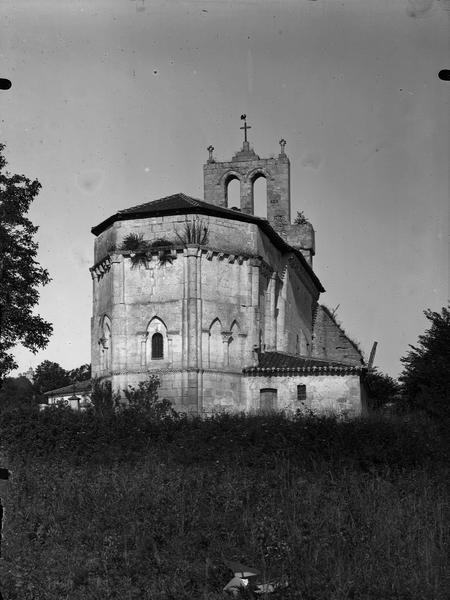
(16, 391)
(81, 373)
(50, 376)
(20, 274)
(426, 373)
(382, 389)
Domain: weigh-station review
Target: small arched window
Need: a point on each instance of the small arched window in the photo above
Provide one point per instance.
(157, 346)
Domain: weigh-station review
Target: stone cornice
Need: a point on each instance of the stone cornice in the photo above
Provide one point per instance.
(304, 370)
(146, 371)
(101, 267)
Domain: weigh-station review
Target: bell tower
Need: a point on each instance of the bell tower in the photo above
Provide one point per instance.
(246, 166)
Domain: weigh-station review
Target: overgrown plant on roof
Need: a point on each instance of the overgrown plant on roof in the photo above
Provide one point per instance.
(135, 244)
(164, 248)
(300, 219)
(194, 232)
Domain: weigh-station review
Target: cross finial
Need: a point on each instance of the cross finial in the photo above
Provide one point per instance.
(210, 150)
(244, 118)
(282, 144)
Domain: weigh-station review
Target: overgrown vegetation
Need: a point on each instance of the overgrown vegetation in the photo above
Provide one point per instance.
(140, 249)
(300, 219)
(164, 248)
(142, 503)
(194, 232)
(144, 398)
(135, 244)
(129, 505)
(426, 374)
(382, 389)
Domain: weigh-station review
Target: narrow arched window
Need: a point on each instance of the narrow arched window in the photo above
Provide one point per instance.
(157, 346)
(259, 193)
(233, 193)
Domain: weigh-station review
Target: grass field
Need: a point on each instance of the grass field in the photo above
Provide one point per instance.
(134, 510)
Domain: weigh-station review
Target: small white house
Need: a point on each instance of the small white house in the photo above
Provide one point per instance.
(76, 395)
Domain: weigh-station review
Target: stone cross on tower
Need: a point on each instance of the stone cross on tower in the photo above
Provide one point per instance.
(244, 118)
(246, 166)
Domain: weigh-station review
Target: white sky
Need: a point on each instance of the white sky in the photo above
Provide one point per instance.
(115, 101)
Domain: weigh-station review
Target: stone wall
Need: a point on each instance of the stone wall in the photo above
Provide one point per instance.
(213, 305)
(330, 341)
(325, 394)
(246, 166)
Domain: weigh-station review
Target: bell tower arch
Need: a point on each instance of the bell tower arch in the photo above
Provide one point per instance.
(247, 167)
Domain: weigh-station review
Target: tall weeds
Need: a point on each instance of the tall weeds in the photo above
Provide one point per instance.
(340, 510)
(194, 232)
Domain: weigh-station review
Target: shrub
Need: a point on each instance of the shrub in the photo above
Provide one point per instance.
(300, 219)
(104, 401)
(137, 246)
(145, 399)
(382, 389)
(134, 242)
(164, 250)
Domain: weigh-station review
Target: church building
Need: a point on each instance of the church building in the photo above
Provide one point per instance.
(221, 304)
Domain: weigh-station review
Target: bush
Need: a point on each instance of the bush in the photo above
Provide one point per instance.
(104, 401)
(382, 389)
(145, 399)
(300, 219)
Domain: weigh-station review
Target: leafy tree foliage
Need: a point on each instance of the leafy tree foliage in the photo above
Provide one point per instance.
(382, 389)
(16, 392)
(81, 373)
(50, 376)
(426, 374)
(20, 274)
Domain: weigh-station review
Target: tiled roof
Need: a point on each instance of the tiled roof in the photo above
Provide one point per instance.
(182, 204)
(280, 363)
(79, 387)
(175, 204)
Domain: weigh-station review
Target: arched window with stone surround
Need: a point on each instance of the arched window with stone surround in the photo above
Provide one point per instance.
(215, 345)
(156, 341)
(259, 195)
(105, 344)
(233, 191)
(157, 346)
(234, 346)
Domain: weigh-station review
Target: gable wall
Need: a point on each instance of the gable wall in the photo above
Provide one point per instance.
(331, 342)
